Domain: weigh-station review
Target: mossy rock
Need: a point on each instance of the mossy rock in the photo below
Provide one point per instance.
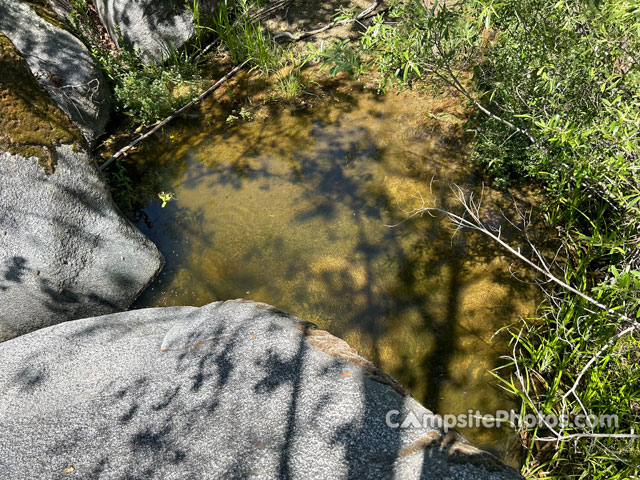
(44, 11)
(59, 62)
(31, 124)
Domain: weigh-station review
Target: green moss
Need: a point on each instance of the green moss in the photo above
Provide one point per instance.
(31, 124)
(44, 11)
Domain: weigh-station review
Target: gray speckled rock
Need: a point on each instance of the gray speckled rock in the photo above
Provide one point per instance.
(65, 251)
(61, 64)
(154, 26)
(230, 390)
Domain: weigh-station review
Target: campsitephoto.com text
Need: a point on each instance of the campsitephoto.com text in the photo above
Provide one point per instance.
(475, 419)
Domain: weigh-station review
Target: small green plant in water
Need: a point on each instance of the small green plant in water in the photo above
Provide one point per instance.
(242, 114)
(290, 85)
(232, 118)
(246, 115)
(166, 197)
(337, 57)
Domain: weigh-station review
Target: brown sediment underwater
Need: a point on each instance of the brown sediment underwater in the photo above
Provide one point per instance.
(291, 207)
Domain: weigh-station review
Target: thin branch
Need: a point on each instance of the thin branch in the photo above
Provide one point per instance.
(471, 219)
(472, 209)
(611, 342)
(586, 435)
(175, 114)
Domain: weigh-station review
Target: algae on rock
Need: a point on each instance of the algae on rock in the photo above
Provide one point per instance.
(31, 124)
(60, 63)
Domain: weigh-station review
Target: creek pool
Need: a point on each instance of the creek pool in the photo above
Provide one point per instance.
(292, 208)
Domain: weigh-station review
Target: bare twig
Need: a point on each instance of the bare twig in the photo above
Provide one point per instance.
(175, 114)
(472, 209)
(575, 436)
(611, 342)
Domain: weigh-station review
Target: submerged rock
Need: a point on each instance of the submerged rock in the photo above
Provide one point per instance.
(230, 390)
(65, 251)
(155, 27)
(61, 64)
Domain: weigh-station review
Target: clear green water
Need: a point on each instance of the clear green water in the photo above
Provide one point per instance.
(291, 209)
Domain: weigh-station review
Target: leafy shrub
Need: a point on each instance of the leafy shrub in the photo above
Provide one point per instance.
(338, 57)
(149, 91)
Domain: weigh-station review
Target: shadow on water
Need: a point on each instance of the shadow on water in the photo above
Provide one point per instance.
(292, 209)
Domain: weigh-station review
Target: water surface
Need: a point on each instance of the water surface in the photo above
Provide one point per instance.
(292, 209)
